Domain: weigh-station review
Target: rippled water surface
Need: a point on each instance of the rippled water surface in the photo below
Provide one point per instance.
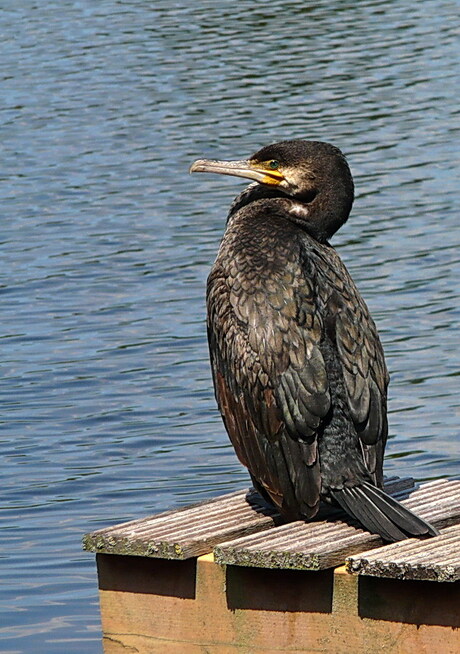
(107, 407)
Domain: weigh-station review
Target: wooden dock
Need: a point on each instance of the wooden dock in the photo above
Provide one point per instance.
(227, 576)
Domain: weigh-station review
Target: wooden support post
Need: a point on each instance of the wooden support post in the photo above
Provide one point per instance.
(154, 606)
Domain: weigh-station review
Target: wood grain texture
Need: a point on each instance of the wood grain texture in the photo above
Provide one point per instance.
(186, 532)
(194, 530)
(323, 544)
(246, 534)
(437, 559)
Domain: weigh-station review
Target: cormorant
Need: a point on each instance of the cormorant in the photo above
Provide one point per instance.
(298, 368)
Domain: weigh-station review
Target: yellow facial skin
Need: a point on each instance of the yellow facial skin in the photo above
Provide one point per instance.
(271, 170)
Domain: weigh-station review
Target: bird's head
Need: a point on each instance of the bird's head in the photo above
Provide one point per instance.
(312, 173)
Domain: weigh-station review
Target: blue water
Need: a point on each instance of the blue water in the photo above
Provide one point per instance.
(107, 407)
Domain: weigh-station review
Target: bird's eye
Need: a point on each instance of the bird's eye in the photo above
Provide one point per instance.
(273, 164)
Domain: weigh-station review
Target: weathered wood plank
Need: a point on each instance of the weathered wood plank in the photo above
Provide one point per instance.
(436, 559)
(238, 530)
(300, 546)
(186, 532)
(320, 545)
(194, 530)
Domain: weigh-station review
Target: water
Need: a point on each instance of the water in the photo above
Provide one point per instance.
(107, 407)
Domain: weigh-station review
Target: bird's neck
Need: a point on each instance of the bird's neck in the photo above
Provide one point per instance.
(318, 217)
(253, 193)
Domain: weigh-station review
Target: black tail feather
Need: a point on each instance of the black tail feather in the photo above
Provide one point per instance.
(381, 514)
(384, 525)
(410, 522)
(369, 515)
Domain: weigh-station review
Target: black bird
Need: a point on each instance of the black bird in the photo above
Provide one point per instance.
(298, 367)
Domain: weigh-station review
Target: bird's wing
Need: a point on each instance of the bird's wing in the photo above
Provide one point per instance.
(362, 361)
(270, 380)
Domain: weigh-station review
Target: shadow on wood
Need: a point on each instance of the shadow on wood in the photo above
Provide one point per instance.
(134, 574)
(411, 602)
(279, 590)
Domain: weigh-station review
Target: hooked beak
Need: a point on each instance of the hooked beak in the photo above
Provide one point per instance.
(248, 169)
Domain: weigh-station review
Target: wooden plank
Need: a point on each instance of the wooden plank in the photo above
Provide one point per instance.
(194, 530)
(436, 559)
(186, 532)
(226, 523)
(297, 546)
(325, 544)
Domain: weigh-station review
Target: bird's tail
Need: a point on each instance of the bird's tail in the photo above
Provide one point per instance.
(381, 514)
